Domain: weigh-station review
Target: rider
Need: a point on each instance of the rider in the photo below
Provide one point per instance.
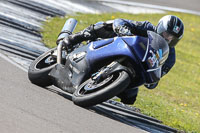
(170, 27)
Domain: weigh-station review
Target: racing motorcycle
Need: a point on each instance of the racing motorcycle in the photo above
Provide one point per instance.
(102, 69)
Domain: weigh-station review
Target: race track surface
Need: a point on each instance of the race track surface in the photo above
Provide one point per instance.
(26, 108)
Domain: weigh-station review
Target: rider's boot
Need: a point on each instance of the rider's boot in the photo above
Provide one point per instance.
(128, 96)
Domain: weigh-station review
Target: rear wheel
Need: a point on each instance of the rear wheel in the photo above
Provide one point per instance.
(91, 93)
(40, 68)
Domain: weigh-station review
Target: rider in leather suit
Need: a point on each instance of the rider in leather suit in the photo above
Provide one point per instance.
(170, 27)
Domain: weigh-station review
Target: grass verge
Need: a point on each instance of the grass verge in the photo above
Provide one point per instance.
(176, 100)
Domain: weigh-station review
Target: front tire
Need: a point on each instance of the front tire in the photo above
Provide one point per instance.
(40, 68)
(108, 88)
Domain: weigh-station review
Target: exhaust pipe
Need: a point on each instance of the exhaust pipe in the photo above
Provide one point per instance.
(67, 29)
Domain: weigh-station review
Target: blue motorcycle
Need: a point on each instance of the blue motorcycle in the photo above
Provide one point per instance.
(102, 69)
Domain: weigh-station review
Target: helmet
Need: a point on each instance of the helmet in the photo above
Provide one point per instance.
(171, 28)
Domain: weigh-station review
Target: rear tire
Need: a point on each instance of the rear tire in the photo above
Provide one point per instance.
(110, 88)
(40, 68)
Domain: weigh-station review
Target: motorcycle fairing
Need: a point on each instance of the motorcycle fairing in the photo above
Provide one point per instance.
(156, 54)
(79, 68)
(141, 50)
(152, 52)
(60, 75)
(101, 43)
(96, 52)
(137, 44)
(69, 76)
(121, 46)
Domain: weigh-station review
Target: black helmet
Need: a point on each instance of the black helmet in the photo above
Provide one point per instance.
(171, 28)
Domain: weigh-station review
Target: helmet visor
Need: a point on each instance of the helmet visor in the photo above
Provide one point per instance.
(170, 38)
(161, 28)
(167, 36)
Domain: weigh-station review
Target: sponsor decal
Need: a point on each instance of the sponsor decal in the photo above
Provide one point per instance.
(155, 57)
(176, 29)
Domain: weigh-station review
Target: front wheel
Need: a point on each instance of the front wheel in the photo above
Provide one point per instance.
(40, 68)
(91, 93)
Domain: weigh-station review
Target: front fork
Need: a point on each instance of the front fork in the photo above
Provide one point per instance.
(61, 52)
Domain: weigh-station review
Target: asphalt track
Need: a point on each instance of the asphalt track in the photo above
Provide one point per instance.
(25, 107)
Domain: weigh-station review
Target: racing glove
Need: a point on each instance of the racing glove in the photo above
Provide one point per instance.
(165, 70)
(151, 86)
(124, 31)
(122, 27)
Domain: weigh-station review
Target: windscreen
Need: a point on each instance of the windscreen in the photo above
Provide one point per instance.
(156, 55)
(159, 47)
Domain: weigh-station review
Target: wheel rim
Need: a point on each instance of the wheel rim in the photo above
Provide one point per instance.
(45, 62)
(90, 87)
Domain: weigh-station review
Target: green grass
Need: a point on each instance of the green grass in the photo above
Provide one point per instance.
(176, 100)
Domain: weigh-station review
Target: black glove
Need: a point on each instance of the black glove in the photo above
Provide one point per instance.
(151, 86)
(67, 44)
(165, 70)
(124, 31)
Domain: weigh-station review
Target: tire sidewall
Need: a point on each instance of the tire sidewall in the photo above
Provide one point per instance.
(40, 76)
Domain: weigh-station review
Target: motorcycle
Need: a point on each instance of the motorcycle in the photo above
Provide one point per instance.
(102, 69)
